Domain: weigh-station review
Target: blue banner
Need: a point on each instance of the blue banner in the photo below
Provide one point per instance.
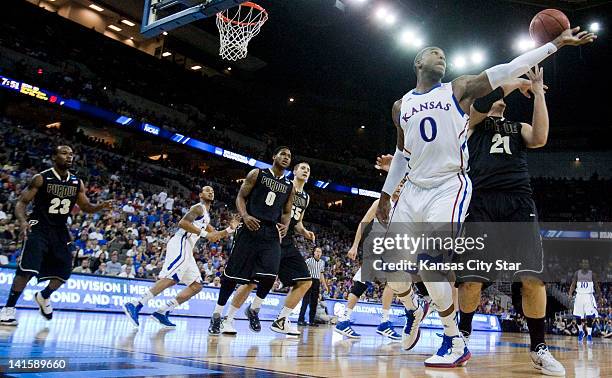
(107, 294)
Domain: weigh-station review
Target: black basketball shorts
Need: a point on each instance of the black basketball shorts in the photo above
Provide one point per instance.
(516, 240)
(46, 253)
(292, 266)
(254, 254)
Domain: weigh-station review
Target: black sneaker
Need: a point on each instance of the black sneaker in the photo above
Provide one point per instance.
(215, 325)
(302, 323)
(253, 316)
(313, 324)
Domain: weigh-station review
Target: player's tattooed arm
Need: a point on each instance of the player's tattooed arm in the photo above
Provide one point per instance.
(250, 222)
(186, 223)
(300, 229)
(26, 197)
(87, 206)
(573, 285)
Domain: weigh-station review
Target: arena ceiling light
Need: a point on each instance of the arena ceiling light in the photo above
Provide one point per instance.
(459, 62)
(128, 22)
(96, 8)
(196, 67)
(524, 44)
(384, 15)
(594, 27)
(166, 53)
(115, 28)
(410, 38)
(477, 57)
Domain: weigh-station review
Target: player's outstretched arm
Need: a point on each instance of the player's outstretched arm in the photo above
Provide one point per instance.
(214, 235)
(367, 218)
(536, 134)
(481, 106)
(250, 222)
(397, 169)
(573, 285)
(470, 87)
(87, 206)
(26, 197)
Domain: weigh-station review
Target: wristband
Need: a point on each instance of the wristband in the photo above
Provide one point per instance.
(203, 233)
(230, 230)
(484, 104)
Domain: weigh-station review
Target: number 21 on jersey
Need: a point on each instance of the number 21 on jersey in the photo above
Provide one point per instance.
(498, 141)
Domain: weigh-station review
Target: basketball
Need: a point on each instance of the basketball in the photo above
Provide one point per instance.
(547, 25)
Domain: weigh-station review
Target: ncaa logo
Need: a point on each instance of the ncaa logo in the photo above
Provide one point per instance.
(339, 308)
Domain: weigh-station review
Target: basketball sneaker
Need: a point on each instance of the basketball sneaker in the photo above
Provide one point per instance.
(453, 353)
(253, 316)
(132, 313)
(344, 328)
(45, 307)
(215, 324)
(227, 327)
(284, 325)
(163, 319)
(7, 316)
(542, 360)
(386, 329)
(580, 336)
(466, 336)
(412, 331)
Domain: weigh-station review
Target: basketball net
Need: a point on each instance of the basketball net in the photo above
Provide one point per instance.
(237, 26)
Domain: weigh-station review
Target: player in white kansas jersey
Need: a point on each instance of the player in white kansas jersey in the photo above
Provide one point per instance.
(585, 305)
(179, 263)
(431, 149)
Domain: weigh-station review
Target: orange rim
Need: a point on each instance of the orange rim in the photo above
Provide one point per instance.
(240, 23)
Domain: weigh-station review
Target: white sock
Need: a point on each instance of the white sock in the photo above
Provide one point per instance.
(232, 312)
(589, 329)
(347, 314)
(146, 298)
(285, 312)
(218, 309)
(256, 305)
(169, 306)
(450, 324)
(385, 315)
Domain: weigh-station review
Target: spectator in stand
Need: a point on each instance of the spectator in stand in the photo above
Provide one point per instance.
(84, 268)
(128, 208)
(2, 213)
(216, 282)
(113, 267)
(607, 330)
(129, 266)
(571, 329)
(126, 272)
(141, 273)
(101, 271)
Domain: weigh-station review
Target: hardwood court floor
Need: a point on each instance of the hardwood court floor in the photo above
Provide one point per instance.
(106, 345)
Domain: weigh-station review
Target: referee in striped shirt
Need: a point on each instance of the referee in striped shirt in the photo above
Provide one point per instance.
(316, 266)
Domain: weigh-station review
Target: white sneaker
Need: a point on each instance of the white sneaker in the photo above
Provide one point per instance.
(453, 353)
(412, 331)
(284, 325)
(46, 310)
(7, 316)
(542, 360)
(227, 327)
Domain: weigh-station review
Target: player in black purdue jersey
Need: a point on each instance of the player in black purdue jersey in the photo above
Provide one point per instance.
(45, 253)
(293, 271)
(264, 203)
(502, 193)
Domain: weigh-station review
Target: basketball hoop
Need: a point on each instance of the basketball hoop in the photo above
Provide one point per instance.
(237, 26)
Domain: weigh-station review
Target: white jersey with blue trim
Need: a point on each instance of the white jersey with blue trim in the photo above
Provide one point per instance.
(584, 282)
(435, 135)
(201, 222)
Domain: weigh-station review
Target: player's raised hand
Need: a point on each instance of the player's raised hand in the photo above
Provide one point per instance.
(383, 162)
(352, 253)
(251, 223)
(536, 76)
(574, 37)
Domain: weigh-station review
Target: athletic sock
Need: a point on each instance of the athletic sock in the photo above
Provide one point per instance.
(46, 292)
(232, 311)
(536, 332)
(385, 315)
(285, 312)
(256, 305)
(465, 322)
(169, 306)
(218, 309)
(347, 314)
(144, 300)
(409, 301)
(450, 324)
(12, 298)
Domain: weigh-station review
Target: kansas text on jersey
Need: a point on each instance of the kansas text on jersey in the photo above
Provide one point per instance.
(55, 198)
(498, 157)
(268, 197)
